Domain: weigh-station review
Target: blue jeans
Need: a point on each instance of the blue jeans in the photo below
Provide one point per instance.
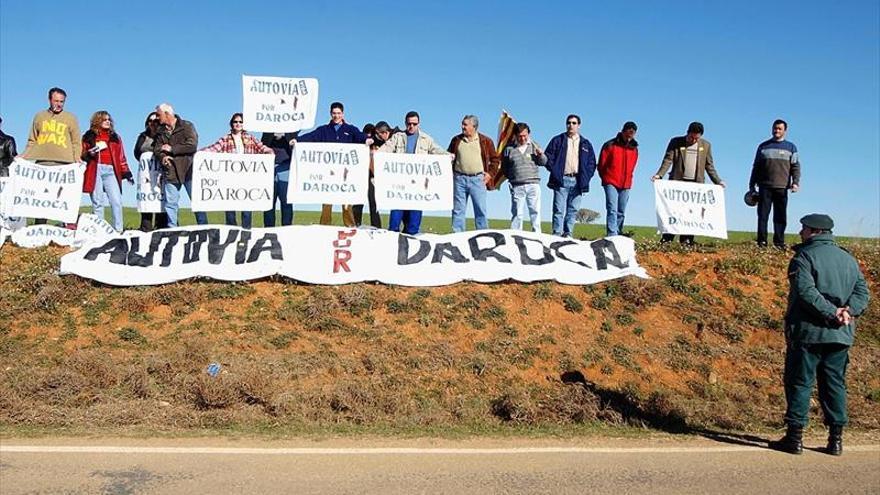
(412, 221)
(172, 199)
(566, 201)
(106, 185)
(245, 219)
(529, 196)
(282, 180)
(615, 204)
(464, 186)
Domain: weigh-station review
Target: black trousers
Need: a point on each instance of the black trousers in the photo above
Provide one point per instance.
(777, 198)
(358, 210)
(149, 221)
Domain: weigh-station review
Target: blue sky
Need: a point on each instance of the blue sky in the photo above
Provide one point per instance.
(735, 66)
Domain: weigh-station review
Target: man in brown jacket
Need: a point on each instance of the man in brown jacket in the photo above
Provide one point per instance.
(176, 144)
(690, 157)
(474, 163)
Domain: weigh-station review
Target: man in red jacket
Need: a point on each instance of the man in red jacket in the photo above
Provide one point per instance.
(617, 161)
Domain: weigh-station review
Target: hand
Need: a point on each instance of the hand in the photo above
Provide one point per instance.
(654, 177)
(795, 188)
(487, 179)
(722, 184)
(127, 176)
(292, 142)
(165, 147)
(369, 142)
(538, 151)
(843, 316)
(166, 161)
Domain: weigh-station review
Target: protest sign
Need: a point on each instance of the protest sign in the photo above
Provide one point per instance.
(91, 228)
(279, 104)
(150, 196)
(689, 208)
(8, 223)
(330, 255)
(232, 181)
(43, 235)
(412, 182)
(45, 191)
(330, 173)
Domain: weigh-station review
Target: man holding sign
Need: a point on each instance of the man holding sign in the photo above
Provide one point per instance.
(336, 131)
(690, 157)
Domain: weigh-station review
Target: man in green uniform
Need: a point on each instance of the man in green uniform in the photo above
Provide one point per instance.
(827, 291)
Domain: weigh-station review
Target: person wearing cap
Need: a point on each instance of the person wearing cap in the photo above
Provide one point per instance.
(690, 160)
(617, 162)
(775, 170)
(827, 292)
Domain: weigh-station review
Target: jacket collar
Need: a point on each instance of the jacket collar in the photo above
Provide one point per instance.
(816, 239)
(631, 144)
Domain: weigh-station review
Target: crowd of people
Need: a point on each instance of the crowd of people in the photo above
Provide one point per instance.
(569, 157)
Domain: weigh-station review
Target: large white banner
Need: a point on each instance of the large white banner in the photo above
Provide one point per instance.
(233, 182)
(52, 192)
(412, 182)
(8, 223)
(330, 173)
(150, 195)
(43, 235)
(279, 104)
(689, 208)
(91, 228)
(331, 255)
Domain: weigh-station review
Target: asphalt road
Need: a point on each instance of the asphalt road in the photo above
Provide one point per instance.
(505, 466)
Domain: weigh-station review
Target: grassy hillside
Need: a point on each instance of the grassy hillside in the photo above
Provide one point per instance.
(697, 347)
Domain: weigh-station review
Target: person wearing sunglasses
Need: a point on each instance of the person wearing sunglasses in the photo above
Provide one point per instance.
(106, 166)
(572, 163)
(144, 144)
(239, 141)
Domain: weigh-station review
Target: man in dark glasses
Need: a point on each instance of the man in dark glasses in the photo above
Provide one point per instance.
(572, 163)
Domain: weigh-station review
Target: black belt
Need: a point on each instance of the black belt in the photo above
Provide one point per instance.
(571, 175)
(469, 175)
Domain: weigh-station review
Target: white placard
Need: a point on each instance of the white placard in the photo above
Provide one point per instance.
(689, 208)
(43, 235)
(90, 228)
(330, 255)
(412, 181)
(330, 173)
(8, 223)
(232, 182)
(279, 104)
(52, 192)
(150, 193)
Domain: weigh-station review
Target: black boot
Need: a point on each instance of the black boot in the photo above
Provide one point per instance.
(835, 440)
(792, 442)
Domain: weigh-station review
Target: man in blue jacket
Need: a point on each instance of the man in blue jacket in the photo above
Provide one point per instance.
(337, 131)
(572, 163)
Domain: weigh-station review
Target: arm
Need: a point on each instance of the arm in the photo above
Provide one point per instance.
(539, 158)
(435, 149)
(217, 147)
(123, 163)
(75, 139)
(667, 160)
(189, 145)
(756, 164)
(591, 160)
(84, 151)
(137, 146)
(710, 166)
(494, 158)
(551, 152)
(32, 139)
(12, 151)
(795, 169)
(858, 301)
(604, 157)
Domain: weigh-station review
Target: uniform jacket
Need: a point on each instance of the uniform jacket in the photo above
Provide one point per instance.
(556, 150)
(184, 142)
(117, 159)
(226, 144)
(675, 153)
(822, 277)
(617, 162)
(491, 161)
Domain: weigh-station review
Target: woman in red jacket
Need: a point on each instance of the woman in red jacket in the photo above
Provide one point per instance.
(105, 166)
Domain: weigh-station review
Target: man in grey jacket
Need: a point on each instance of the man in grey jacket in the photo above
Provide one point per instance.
(520, 164)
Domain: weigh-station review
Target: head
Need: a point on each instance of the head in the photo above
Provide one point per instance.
(780, 127)
(57, 97)
(166, 114)
(101, 121)
(694, 132)
(522, 132)
(382, 131)
(573, 125)
(337, 112)
(815, 224)
(152, 123)
(236, 123)
(412, 122)
(629, 131)
(469, 125)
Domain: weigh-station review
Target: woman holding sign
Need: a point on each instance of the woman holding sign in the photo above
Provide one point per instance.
(144, 144)
(240, 142)
(105, 166)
